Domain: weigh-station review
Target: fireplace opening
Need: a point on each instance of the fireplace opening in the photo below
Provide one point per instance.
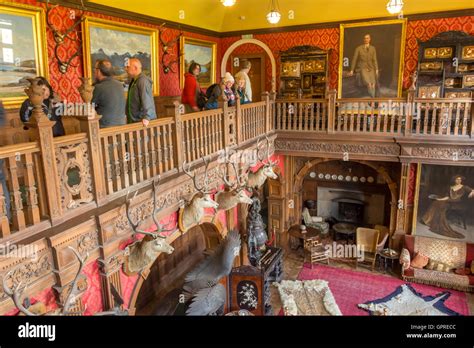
(350, 210)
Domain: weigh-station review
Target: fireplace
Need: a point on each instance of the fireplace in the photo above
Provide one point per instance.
(350, 210)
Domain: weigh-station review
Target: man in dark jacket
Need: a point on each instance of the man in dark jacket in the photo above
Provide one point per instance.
(3, 180)
(140, 102)
(108, 96)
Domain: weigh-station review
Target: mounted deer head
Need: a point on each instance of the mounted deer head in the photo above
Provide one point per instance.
(192, 213)
(39, 308)
(141, 253)
(257, 179)
(60, 37)
(235, 193)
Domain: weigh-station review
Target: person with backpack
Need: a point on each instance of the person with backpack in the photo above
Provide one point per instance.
(192, 92)
(213, 93)
(241, 90)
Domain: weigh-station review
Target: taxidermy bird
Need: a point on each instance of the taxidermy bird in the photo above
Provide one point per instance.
(202, 283)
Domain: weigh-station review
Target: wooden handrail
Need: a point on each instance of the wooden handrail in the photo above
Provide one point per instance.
(134, 126)
(12, 150)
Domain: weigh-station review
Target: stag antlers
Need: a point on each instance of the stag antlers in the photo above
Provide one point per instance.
(60, 37)
(261, 159)
(156, 210)
(167, 66)
(205, 186)
(16, 294)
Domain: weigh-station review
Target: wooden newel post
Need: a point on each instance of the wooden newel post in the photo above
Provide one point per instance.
(178, 131)
(225, 124)
(43, 133)
(266, 99)
(331, 110)
(410, 111)
(238, 120)
(89, 124)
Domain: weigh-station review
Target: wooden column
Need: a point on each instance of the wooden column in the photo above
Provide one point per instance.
(43, 133)
(242, 213)
(331, 110)
(238, 122)
(225, 124)
(266, 99)
(89, 124)
(178, 140)
(410, 111)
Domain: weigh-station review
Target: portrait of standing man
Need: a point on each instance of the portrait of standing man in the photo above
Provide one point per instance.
(364, 64)
(371, 56)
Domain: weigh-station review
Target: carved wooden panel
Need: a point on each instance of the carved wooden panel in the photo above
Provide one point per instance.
(74, 175)
(20, 265)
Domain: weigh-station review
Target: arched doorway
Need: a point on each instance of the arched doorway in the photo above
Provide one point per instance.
(241, 42)
(157, 290)
(378, 168)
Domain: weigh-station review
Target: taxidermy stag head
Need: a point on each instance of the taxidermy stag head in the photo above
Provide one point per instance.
(235, 193)
(192, 213)
(143, 252)
(61, 37)
(39, 308)
(257, 179)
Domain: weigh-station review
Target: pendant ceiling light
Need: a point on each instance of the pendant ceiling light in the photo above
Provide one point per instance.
(395, 6)
(228, 3)
(273, 17)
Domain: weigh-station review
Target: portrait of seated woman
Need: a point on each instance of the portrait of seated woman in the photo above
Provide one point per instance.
(436, 216)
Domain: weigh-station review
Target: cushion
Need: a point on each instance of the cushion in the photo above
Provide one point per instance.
(439, 266)
(419, 261)
(405, 258)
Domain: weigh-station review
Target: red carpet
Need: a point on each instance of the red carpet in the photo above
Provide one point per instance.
(353, 287)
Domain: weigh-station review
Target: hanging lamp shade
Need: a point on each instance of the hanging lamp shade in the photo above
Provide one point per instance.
(228, 3)
(274, 16)
(395, 6)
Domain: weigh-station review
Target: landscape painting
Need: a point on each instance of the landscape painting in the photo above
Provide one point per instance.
(22, 51)
(445, 202)
(118, 43)
(201, 52)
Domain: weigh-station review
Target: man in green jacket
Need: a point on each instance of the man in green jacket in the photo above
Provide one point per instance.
(364, 63)
(140, 102)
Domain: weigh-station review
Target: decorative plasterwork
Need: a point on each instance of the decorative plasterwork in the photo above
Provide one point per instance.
(322, 147)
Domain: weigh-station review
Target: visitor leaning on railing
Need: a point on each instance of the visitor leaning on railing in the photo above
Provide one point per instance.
(3, 179)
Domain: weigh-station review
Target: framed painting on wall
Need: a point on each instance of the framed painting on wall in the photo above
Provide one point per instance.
(118, 43)
(371, 59)
(444, 202)
(201, 52)
(23, 52)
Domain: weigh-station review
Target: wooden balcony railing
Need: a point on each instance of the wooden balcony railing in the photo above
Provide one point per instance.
(52, 180)
(380, 116)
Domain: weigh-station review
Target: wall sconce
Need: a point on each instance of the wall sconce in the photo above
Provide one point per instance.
(228, 3)
(273, 17)
(395, 6)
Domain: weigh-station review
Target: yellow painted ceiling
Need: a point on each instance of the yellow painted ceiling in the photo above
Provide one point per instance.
(250, 14)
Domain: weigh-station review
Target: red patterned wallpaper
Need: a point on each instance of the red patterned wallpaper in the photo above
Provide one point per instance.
(324, 38)
(411, 183)
(329, 39)
(66, 84)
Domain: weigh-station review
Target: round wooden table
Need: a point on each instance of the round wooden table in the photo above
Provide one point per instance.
(295, 233)
(344, 229)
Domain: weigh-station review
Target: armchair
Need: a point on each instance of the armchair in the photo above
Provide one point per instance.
(315, 222)
(367, 239)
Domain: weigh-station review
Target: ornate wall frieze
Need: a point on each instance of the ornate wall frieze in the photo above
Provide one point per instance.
(443, 153)
(362, 149)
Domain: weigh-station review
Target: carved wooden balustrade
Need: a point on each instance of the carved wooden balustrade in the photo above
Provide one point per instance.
(381, 116)
(53, 180)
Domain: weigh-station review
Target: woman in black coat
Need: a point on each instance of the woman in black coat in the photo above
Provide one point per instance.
(51, 108)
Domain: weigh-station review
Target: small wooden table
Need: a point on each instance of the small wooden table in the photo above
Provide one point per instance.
(295, 233)
(345, 229)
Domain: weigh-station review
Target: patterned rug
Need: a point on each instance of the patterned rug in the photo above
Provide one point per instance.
(351, 288)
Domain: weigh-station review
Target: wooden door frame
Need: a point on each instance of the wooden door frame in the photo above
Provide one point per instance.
(249, 56)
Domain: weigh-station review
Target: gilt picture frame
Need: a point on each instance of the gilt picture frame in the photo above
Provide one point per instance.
(202, 52)
(23, 50)
(381, 74)
(118, 42)
(440, 212)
